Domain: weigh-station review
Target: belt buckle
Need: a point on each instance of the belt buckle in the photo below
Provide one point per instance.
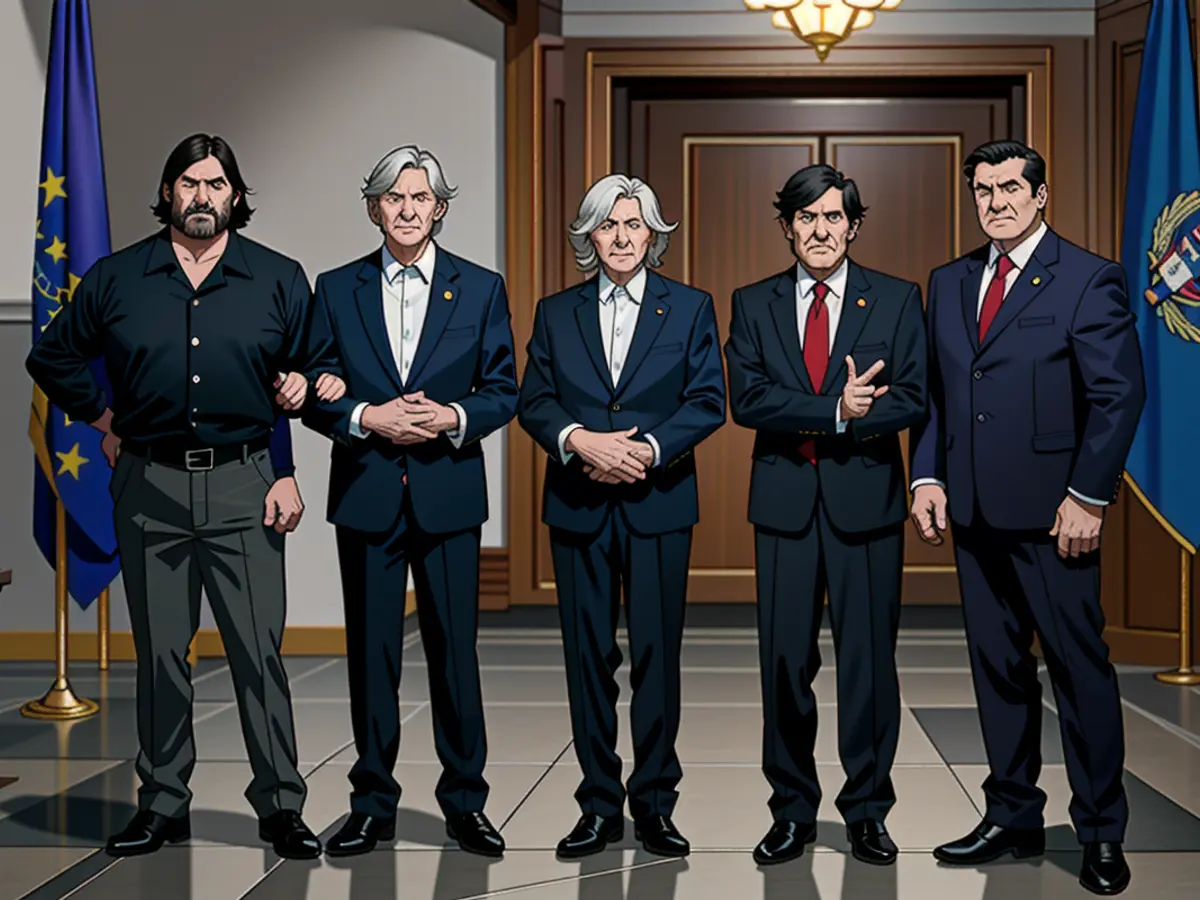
(198, 460)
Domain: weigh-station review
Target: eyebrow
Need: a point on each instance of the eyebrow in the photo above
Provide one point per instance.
(1012, 182)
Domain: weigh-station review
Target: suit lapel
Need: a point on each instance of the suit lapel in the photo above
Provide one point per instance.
(587, 315)
(850, 324)
(1032, 280)
(971, 280)
(443, 295)
(369, 298)
(652, 313)
(783, 311)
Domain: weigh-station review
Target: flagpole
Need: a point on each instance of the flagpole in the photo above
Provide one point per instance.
(60, 702)
(103, 629)
(1185, 675)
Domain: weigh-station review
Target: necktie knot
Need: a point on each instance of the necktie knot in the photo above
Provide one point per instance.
(820, 291)
(1004, 265)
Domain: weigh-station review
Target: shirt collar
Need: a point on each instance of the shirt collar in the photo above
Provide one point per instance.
(392, 267)
(835, 282)
(1022, 253)
(635, 289)
(162, 255)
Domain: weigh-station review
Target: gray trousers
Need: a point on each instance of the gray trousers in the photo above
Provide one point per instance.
(179, 532)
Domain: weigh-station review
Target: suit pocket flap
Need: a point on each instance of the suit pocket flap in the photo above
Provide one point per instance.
(666, 348)
(1055, 440)
(877, 347)
(1035, 321)
(466, 331)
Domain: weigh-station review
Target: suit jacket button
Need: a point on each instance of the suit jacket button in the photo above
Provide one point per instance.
(981, 418)
(978, 374)
(616, 407)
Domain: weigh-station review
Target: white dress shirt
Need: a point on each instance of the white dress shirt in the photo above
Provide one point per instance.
(619, 307)
(834, 298)
(1020, 256)
(405, 302)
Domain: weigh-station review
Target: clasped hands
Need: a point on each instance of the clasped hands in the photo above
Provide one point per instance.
(611, 457)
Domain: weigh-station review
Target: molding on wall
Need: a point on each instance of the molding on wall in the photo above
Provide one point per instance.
(493, 578)
(16, 312)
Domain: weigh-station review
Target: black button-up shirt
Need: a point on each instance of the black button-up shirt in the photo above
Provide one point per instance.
(196, 365)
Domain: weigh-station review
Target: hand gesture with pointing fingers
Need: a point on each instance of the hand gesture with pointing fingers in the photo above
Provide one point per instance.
(859, 394)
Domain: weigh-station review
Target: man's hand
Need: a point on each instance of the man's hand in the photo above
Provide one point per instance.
(400, 421)
(444, 417)
(283, 506)
(1077, 527)
(330, 388)
(929, 512)
(612, 453)
(110, 444)
(643, 452)
(858, 395)
(292, 389)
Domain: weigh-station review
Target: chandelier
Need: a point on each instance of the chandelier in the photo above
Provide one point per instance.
(822, 23)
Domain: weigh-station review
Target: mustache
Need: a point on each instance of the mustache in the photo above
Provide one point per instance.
(197, 210)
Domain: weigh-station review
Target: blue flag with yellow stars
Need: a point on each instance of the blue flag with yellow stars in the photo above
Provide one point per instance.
(72, 234)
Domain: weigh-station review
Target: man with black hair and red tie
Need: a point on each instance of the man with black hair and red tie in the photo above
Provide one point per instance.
(827, 364)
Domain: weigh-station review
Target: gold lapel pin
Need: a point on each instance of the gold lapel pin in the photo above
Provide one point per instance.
(862, 301)
(448, 295)
(659, 310)
(1036, 281)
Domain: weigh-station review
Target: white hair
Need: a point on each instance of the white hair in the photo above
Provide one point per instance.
(410, 156)
(597, 205)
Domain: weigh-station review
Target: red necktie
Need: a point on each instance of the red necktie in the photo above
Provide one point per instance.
(816, 352)
(994, 296)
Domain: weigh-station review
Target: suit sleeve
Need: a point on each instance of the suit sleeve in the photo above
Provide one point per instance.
(756, 401)
(282, 460)
(907, 401)
(491, 405)
(329, 419)
(927, 443)
(703, 409)
(538, 408)
(1105, 345)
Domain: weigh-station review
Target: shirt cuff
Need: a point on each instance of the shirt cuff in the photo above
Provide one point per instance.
(920, 481)
(838, 421)
(562, 442)
(657, 450)
(457, 434)
(1078, 496)
(356, 429)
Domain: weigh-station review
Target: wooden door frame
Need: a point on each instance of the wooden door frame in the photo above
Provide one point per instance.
(605, 62)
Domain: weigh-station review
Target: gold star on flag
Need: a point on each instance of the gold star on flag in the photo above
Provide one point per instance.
(72, 283)
(57, 250)
(38, 230)
(53, 186)
(52, 313)
(66, 420)
(71, 462)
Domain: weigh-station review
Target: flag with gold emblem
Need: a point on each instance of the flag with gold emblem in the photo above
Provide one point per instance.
(72, 234)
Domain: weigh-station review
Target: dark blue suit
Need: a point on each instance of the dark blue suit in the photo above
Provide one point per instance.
(1048, 403)
(421, 504)
(836, 526)
(638, 535)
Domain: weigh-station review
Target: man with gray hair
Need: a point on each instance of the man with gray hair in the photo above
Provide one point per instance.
(419, 352)
(624, 379)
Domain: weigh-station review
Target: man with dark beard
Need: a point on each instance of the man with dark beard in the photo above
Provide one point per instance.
(195, 326)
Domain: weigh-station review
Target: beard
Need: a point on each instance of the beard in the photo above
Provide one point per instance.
(201, 222)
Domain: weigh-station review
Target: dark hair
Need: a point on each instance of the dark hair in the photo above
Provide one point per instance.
(808, 185)
(186, 154)
(995, 152)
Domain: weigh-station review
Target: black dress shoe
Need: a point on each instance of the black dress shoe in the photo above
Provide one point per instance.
(1104, 868)
(286, 832)
(147, 832)
(786, 840)
(870, 843)
(988, 843)
(591, 834)
(475, 834)
(360, 834)
(659, 836)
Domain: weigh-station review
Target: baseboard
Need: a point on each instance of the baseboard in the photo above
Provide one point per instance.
(299, 640)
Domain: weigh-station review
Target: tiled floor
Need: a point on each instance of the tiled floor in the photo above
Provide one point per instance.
(76, 784)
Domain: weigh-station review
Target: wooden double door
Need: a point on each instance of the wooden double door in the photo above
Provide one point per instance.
(716, 163)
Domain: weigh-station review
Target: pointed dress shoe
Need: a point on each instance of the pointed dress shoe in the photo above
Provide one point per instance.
(147, 832)
(287, 834)
(988, 843)
(360, 834)
(1104, 869)
(475, 834)
(659, 836)
(785, 841)
(870, 843)
(591, 834)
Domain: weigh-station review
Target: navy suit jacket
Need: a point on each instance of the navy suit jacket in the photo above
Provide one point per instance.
(1051, 399)
(672, 387)
(465, 356)
(859, 473)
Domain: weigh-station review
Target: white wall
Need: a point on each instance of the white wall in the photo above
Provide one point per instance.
(309, 95)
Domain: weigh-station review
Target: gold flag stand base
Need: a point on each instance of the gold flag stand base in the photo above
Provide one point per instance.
(1179, 678)
(60, 704)
(1184, 676)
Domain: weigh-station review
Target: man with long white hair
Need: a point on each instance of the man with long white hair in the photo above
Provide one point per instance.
(624, 379)
(420, 353)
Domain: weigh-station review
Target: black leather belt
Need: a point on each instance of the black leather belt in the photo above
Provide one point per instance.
(189, 457)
